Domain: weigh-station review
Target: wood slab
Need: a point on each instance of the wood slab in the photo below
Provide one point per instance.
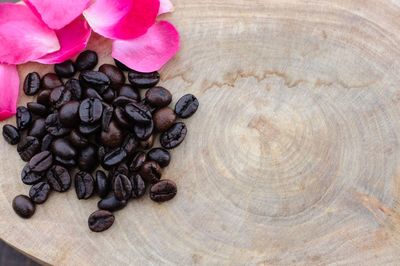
(292, 159)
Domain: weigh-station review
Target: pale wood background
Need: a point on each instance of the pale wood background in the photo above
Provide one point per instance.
(292, 159)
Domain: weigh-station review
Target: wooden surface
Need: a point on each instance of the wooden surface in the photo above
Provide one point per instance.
(292, 159)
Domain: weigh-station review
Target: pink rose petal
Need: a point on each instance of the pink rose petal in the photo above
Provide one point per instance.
(23, 36)
(150, 51)
(9, 87)
(58, 13)
(123, 19)
(165, 7)
(73, 39)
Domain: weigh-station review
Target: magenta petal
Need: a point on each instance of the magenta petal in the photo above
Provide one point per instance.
(73, 39)
(9, 87)
(150, 51)
(123, 19)
(165, 7)
(23, 36)
(58, 13)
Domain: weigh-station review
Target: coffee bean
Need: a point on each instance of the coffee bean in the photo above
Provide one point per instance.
(106, 118)
(46, 142)
(41, 162)
(100, 220)
(28, 147)
(90, 111)
(68, 163)
(121, 117)
(122, 187)
(95, 80)
(150, 172)
(121, 169)
(108, 95)
(138, 113)
(143, 80)
(38, 129)
(23, 206)
(130, 144)
(173, 136)
(88, 160)
(111, 203)
(11, 134)
(63, 149)
(160, 156)
(115, 75)
(102, 184)
(158, 97)
(163, 119)
(51, 81)
(40, 192)
(114, 158)
(84, 185)
(113, 137)
(32, 84)
(65, 69)
(24, 118)
(69, 114)
(54, 126)
(129, 92)
(147, 144)
(37, 109)
(59, 178)
(75, 88)
(138, 186)
(163, 190)
(29, 177)
(77, 139)
(121, 65)
(89, 129)
(60, 96)
(143, 132)
(86, 60)
(122, 101)
(92, 93)
(138, 161)
(186, 106)
(44, 98)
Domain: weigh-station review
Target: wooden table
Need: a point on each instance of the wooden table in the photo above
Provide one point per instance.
(292, 159)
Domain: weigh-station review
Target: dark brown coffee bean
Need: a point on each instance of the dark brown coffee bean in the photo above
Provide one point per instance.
(68, 163)
(111, 203)
(114, 158)
(54, 126)
(115, 75)
(138, 186)
(113, 137)
(120, 117)
(95, 80)
(173, 136)
(46, 142)
(84, 185)
(138, 113)
(77, 139)
(100, 220)
(69, 114)
(108, 95)
(163, 119)
(60, 96)
(121, 65)
(163, 190)
(65, 69)
(32, 84)
(160, 156)
(90, 111)
(108, 113)
(11, 134)
(92, 93)
(122, 187)
(28, 147)
(63, 149)
(37, 109)
(41, 162)
(143, 80)
(130, 144)
(75, 88)
(38, 129)
(122, 101)
(40, 192)
(59, 178)
(138, 161)
(143, 132)
(88, 160)
(23, 206)
(89, 129)
(86, 60)
(102, 184)
(51, 81)
(44, 98)
(28, 177)
(147, 144)
(158, 97)
(24, 118)
(186, 106)
(130, 92)
(150, 172)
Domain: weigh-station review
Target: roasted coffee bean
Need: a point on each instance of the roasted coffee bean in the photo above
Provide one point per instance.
(24, 118)
(11, 134)
(63, 149)
(38, 129)
(68, 163)
(90, 111)
(40, 192)
(113, 137)
(122, 101)
(86, 60)
(150, 172)
(65, 69)
(84, 185)
(143, 80)
(121, 65)
(77, 139)
(37, 109)
(60, 96)
(54, 126)
(41, 162)
(138, 161)
(117, 78)
(130, 92)
(92, 93)
(138, 113)
(106, 118)
(23, 206)
(173, 136)
(88, 160)
(186, 106)
(102, 184)
(108, 95)
(28, 147)
(163, 119)
(147, 144)
(122, 187)
(69, 114)
(46, 142)
(89, 129)
(95, 80)
(163, 190)
(111, 203)
(160, 156)
(120, 117)
(32, 84)
(51, 81)
(143, 132)
(75, 88)
(114, 158)
(138, 186)
(100, 220)
(59, 178)
(130, 144)
(28, 177)
(101, 153)
(158, 97)
(44, 98)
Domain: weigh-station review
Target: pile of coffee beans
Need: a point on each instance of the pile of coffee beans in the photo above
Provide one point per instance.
(99, 130)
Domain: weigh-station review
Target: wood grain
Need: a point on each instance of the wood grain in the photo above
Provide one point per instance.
(292, 159)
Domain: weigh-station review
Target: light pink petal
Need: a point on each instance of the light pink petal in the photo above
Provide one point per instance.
(58, 13)
(9, 87)
(123, 19)
(165, 7)
(73, 39)
(150, 51)
(23, 36)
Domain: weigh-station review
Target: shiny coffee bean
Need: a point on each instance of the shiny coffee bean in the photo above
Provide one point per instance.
(113, 137)
(138, 186)
(150, 172)
(121, 65)
(138, 113)
(75, 88)
(32, 84)
(44, 98)
(163, 190)
(129, 92)
(28, 147)
(95, 80)
(109, 95)
(40, 192)
(114, 158)
(11, 134)
(129, 145)
(106, 118)
(89, 129)
(92, 93)
(24, 118)
(29, 177)
(158, 97)
(58, 178)
(68, 163)
(138, 161)
(51, 81)
(102, 184)
(173, 136)
(88, 160)
(143, 80)
(84, 185)
(143, 132)
(37, 109)
(38, 128)
(54, 126)
(147, 144)
(77, 139)
(121, 117)
(122, 187)
(69, 114)
(100, 220)
(122, 101)
(186, 106)
(46, 142)
(86, 60)
(41, 162)
(117, 78)
(23, 206)
(64, 149)
(160, 156)
(65, 69)
(90, 111)
(60, 96)
(163, 119)
(111, 203)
